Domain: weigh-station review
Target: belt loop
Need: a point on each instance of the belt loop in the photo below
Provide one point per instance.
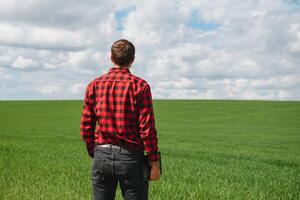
(110, 147)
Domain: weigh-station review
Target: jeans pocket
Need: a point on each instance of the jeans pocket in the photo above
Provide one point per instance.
(133, 170)
(98, 170)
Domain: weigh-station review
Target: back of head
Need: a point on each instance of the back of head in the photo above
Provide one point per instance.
(122, 52)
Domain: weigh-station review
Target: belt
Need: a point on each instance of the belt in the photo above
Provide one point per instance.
(109, 146)
(119, 148)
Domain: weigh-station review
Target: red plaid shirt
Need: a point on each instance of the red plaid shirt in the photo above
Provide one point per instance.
(118, 110)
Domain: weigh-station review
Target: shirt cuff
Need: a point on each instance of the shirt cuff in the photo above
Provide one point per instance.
(153, 156)
(87, 137)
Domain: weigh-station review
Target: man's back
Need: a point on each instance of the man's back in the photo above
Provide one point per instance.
(122, 107)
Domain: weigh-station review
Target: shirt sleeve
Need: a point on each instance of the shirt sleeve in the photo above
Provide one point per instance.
(88, 118)
(147, 124)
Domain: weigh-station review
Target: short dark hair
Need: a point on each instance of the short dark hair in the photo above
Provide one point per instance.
(122, 52)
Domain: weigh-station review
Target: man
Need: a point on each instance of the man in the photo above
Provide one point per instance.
(117, 125)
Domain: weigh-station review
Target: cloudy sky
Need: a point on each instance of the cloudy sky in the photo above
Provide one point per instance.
(222, 49)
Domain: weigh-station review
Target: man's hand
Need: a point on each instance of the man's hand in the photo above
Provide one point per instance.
(155, 171)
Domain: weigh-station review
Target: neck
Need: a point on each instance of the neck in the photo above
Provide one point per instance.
(123, 67)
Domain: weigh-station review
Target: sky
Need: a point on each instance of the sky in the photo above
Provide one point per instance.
(185, 49)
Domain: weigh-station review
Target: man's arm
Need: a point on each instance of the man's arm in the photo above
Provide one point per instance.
(148, 131)
(147, 124)
(88, 121)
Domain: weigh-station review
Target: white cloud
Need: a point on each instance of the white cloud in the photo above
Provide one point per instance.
(294, 45)
(3, 75)
(252, 54)
(43, 38)
(49, 89)
(24, 63)
(77, 89)
(281, 82)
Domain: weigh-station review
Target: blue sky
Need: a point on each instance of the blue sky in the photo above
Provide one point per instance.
(223, 49)
(121, 15)
(196, 23)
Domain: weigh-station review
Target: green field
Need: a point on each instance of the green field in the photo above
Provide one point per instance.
(211, 149)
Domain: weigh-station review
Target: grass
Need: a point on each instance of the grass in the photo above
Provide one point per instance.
(211, 149)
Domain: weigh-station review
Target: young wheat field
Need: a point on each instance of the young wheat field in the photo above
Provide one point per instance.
(211, 149)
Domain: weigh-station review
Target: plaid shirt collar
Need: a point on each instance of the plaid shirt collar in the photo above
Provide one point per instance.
(118, 69)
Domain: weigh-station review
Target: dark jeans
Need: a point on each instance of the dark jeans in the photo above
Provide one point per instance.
(111, 166)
